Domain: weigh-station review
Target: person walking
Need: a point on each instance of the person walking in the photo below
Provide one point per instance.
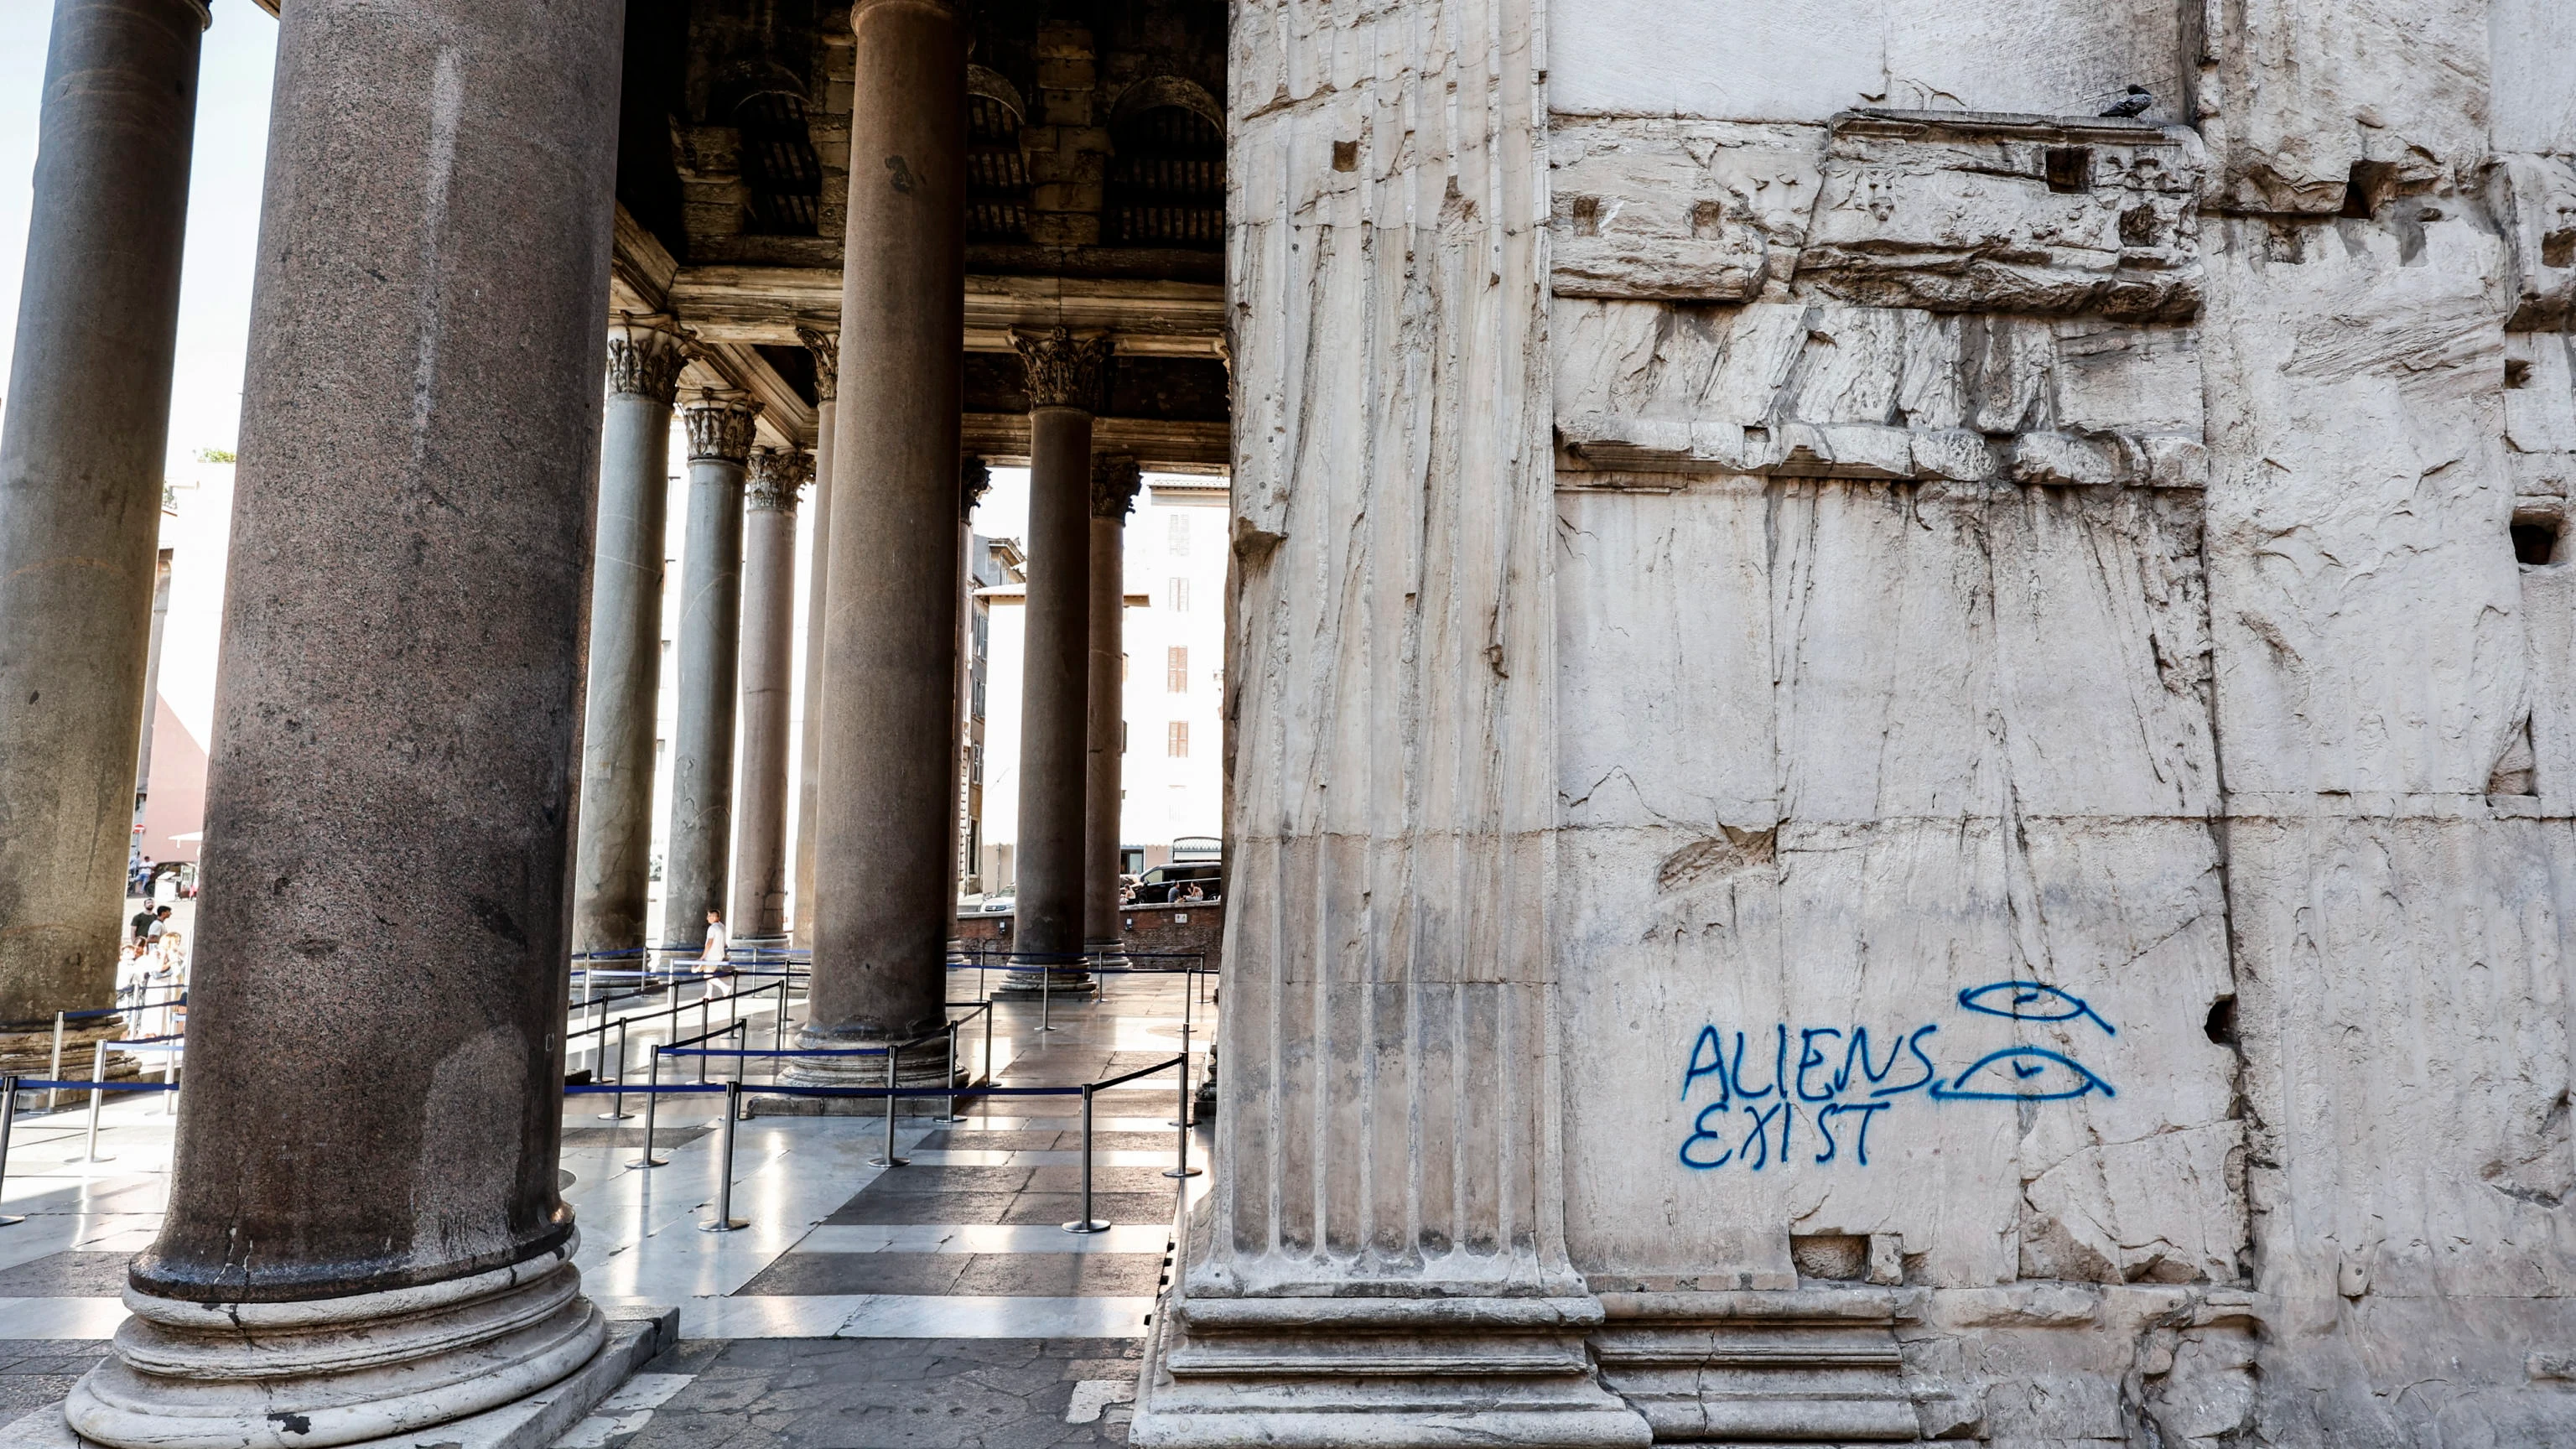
(712, 962)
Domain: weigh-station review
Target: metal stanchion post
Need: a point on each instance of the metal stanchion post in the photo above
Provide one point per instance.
(97, 1095)
(617, 1100)
(8, 1116)
(652, 1098)
(1046, 983)
(1087, 1223)
(778, 1028)
(894, 1050)
(725, 1221)
(988, 1041)
(169, 1072)
(951, 1114)
(1181, 1123)
(56, 1073)
(741, 1060)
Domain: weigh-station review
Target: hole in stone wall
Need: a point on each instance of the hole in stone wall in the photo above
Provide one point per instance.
(2558, 249)
(1587, 216)
(2221, 1025)
(1346, 155)
(1843, 1257)
(2069, 168)
(2517, 372)
(2535, 540)
(2138, 226)
(2368, 186)
(1707, 218)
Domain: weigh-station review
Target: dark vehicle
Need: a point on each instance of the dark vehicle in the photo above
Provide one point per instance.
(1164, 883)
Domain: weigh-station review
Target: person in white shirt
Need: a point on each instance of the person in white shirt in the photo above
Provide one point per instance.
(711, 961)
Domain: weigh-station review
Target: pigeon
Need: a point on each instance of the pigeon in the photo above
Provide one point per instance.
(2133, 104)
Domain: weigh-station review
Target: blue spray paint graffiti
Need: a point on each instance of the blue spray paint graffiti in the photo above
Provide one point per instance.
(1840, 1085)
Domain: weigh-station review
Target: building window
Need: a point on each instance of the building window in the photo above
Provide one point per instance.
(1180, 535)
(1176, 670)
(1179, 594)
(1177, 742)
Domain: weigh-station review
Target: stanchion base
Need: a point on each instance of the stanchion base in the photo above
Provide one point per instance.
(1182, 1171)
(650, 1162)
(1093, 1226)
(616, 1116)
(889, 1162)
(10, 1220)
(729, 1225)
(79, 1161)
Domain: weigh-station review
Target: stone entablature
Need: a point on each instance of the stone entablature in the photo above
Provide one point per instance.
(1942, 210)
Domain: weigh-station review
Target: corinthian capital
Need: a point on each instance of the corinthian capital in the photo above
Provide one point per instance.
(720, 426)
(973, 477)
(778, 476)
(826, 349)
(645, 355)
(1114, 480)
(1065, 366)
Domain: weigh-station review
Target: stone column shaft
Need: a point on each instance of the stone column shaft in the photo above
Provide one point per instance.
(364, 1234)
(709, 648)
(81, 451)
(890, 636)
(768, 665)
(1055, 689)
(974, 477)
(1114, 480)
(614, 862)
(825, 346)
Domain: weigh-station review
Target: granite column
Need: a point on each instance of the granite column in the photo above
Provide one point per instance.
(81, 453)
(364, 1234)
(1114, 480)
(974, 479)
(614, 862)
(1064, 375)
(825, 348)
(778, 476)
(710, 646)
(888, 778)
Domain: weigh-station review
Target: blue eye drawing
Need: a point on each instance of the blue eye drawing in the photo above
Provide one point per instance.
(2030, 1001)
(2022, 1074)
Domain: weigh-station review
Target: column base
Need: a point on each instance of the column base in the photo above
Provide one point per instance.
(1030, 980)
(924, 1067)
(337, 1371)
(30, 1054)
(1466, 1372)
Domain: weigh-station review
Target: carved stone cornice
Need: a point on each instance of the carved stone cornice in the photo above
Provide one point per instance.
(720, 426)
(973, 477)
(1114, 481)
(826, 349)
(645, 355)
(1065, 367)
(778, 477)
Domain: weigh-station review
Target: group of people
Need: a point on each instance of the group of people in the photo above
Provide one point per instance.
(154, 968)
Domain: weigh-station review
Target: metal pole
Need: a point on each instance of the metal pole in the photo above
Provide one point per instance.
(951, 1083)
(1046, 980)
(1088, 1223)
(617, 1100)
(742, 1058)
(1181, 1122)
(988, 1041)
(55, 1073)
(9, 1096)
(778, 1029)
(169, 1070)
(725, 1221)
(893, 1050)
(97, 1094)
(652, 1099)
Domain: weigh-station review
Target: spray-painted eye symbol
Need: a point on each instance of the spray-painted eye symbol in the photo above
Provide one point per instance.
(2022, 1074)
(2030, 1001)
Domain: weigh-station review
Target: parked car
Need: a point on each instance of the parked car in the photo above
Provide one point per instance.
(998, 905)
(1164, 883)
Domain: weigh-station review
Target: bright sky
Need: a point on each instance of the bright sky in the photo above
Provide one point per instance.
(223, 205)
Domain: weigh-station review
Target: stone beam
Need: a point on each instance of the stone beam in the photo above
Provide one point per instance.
(1159, 447)
(743, 304)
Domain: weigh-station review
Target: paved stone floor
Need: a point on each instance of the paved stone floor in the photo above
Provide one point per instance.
(935, 1305)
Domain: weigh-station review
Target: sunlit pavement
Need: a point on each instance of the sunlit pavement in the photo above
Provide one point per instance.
(938, 1303)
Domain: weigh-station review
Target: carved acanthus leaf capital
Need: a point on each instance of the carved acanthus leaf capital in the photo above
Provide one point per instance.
(826, 349)
(1114, 481)
(973, 477)
(1065, 367)
(720, 426)
(778, 477)
(645, 355)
